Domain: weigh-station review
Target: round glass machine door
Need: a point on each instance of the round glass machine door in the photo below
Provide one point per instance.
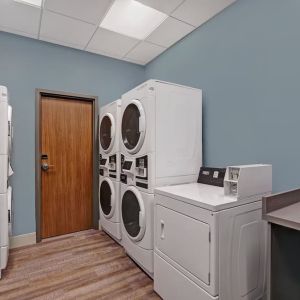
(107, 197)
(133, 126)
(107, 132)
(133, 214)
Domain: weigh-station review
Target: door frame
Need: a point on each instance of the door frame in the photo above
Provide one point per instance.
(39, 93)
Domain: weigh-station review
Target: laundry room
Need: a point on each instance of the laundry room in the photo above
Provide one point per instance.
(149, 149)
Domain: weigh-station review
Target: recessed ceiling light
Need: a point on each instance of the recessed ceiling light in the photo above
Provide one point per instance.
(132, 18)
(37, 3)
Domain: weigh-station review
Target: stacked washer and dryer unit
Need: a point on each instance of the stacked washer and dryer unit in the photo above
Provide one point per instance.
(5, 173)
(109, 187)
(161, 144)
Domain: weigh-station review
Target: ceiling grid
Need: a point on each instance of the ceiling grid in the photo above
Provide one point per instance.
(91, 25)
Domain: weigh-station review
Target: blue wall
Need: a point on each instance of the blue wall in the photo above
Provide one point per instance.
(247, 61)
(27, 64)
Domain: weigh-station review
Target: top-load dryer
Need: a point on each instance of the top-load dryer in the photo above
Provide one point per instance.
(161, 134)
(210, 239)
(109, 122)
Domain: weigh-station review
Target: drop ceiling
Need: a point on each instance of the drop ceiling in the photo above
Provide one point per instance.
(77, 24)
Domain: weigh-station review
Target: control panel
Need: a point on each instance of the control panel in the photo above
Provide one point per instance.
(108, 166)
(142, 167)
(134, 171)
(212, 176)
(141, 171)
(127, 170)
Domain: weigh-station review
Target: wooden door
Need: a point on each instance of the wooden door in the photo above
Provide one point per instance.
(66, 127)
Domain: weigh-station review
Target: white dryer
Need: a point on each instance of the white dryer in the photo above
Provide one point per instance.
(10, 139)
(4, 151)
(110, 218)
(161, 135)
(137, 226)
(210, 241)
(109, 141)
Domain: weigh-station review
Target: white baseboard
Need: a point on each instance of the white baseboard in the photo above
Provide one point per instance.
(22, 240)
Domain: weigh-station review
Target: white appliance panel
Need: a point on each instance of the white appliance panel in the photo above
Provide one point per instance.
(3, 127)
(3, 258)
(243, 259)
(178, 131)
(3, 173)
(171, 284)
(183, 238)
(3, 220)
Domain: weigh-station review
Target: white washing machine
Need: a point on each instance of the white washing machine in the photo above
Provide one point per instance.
(161, 135)
(137, 226)
(109, 140)
(210, 241)
(109, 184)
(5, 192)
(110, 218)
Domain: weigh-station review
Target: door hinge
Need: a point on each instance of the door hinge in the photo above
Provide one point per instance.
(208, 278)
(209, 237)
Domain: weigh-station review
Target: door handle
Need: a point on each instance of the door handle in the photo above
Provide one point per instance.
(162, 230)
(46, 167)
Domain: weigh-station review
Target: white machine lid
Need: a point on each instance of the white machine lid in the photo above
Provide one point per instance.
(202, 195)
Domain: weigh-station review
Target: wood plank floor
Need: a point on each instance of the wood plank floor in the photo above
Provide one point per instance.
(84, 265)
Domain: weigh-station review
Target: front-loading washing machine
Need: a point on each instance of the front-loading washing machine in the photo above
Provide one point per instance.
(161, 135)
(137, 226)
(109, 123)
(110, 219)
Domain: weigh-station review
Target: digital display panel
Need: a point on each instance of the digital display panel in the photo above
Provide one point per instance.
(127, 165)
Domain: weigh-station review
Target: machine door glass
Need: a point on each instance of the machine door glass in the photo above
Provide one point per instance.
(133, 215)
(133, 126)
(106, 132)
(106, 198)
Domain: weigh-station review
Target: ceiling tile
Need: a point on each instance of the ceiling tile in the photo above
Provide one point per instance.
(91, 11)
(197, 12)
(111, 42)
(134, 61)
(104, 53)
(62, 43)
(145, 52)
(65, 30)
(169, 32)
(19, 18)
(164, 6)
